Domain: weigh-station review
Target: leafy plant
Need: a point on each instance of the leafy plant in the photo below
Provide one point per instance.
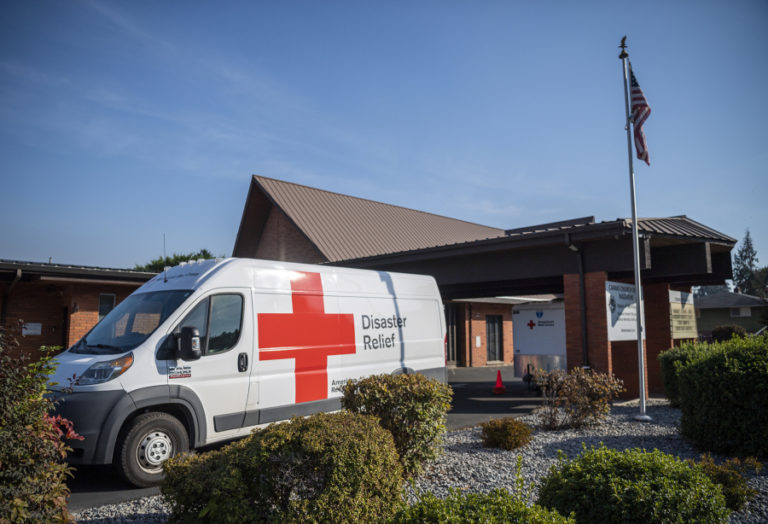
(498, 506)
(724, 397)
(410, 406)
(731, 477)
(32, 471)
(576, 398)
(340, 467)
(505, 433)
(671, 361)
(605, 485)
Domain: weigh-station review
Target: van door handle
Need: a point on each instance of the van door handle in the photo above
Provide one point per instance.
(242, 362)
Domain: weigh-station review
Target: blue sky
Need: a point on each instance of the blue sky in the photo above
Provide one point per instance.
(124, 121)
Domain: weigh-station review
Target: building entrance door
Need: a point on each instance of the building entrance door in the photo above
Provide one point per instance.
(493, 337)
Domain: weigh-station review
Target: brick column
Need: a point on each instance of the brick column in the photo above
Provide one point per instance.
(598, 347)
(658, 332)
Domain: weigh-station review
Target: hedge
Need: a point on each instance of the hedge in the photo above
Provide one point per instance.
(605, 485)
(340, 467)
(724, 397)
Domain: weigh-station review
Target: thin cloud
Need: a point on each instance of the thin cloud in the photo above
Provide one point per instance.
(128, 25)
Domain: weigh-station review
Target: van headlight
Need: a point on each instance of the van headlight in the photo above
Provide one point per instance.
(105, 371)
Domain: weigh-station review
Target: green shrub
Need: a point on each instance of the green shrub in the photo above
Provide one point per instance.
(727, 332)
(505, 433)
(340, 467)
(731, 476)
(724, 397)
(604, 485)
(498, 506)
(576, 398)
(410, 406)
(32, 471)
(671, 361)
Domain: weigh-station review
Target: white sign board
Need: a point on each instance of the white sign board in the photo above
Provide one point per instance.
(621, 308)
(539, 331)
(31, 328)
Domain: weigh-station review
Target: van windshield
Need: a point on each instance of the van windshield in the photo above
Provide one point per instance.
(130, 323)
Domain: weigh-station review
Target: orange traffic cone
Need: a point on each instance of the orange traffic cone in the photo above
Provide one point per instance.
(499, 388)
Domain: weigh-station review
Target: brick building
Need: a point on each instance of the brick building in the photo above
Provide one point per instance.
(474, 265)
(54, 304)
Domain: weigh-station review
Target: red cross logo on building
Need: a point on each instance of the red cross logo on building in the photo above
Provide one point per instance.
(308, 335)
(531, 324)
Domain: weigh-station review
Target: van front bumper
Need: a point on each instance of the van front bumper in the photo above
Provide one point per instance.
(88, 412)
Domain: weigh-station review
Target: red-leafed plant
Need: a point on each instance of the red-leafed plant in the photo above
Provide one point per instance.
(32, 471)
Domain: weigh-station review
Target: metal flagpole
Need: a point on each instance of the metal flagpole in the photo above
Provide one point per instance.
(635, 245)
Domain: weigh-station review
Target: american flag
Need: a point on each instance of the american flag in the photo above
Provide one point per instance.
(640, 113)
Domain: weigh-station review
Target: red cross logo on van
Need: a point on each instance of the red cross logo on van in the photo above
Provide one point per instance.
(308, 335)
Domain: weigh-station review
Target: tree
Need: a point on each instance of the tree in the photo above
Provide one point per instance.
(158, 264)
(760, 282)
(744, 266)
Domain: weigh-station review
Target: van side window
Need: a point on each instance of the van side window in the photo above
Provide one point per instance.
(218, 319)
(226, 318)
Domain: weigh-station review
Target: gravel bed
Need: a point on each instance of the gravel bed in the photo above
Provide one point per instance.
(469, 466)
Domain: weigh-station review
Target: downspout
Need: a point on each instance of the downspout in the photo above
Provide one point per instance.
(583, 293)
(583, 299)
(7, 294)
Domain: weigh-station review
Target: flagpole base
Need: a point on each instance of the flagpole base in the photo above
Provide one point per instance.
(643, 418)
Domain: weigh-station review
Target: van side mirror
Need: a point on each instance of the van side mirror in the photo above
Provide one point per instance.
(189, 344)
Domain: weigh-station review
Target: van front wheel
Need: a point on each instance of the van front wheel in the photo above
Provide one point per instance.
(150, 440)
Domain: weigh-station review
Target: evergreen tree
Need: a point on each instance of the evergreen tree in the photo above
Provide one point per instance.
(744, 266)
(159, 263)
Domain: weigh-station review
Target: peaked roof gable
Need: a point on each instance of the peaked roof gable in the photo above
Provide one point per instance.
(344, 227)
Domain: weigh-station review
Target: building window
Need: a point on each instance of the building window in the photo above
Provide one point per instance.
(106, 304)
(741, 312)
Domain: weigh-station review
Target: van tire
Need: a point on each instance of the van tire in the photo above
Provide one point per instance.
(149, 440)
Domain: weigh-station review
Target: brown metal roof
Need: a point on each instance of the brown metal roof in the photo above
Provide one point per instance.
(679, 226)
(63, 271)
(343, 227)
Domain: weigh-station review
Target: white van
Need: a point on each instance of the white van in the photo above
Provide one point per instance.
(208, 350)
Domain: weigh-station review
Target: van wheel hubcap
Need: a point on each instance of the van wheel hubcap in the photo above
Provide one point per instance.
(155, 449)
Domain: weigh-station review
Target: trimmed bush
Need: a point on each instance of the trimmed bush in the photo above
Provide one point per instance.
(731, 477)
(724, 397)
(727, 332)
(410, 406)
(340, 467)
(671, 361)
(604, 485)
(32, 471)
(498, 506)
(505, 433)
(577, 398)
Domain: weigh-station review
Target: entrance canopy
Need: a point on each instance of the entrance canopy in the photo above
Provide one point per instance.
(675, 250)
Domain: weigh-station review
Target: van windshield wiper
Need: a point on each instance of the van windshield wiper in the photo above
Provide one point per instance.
(104, 346)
